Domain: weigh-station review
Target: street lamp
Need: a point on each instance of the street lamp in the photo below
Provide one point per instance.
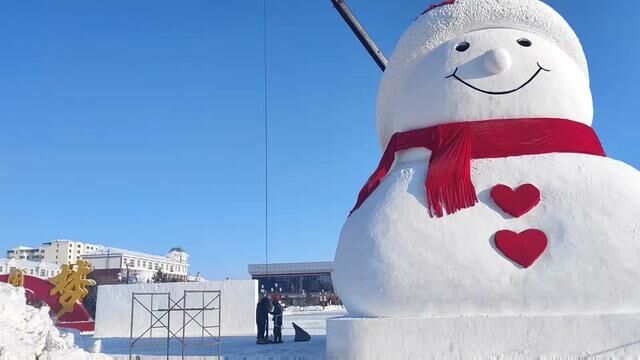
(120, 274)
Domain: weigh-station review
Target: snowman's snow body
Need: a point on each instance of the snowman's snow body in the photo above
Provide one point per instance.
(395, 260)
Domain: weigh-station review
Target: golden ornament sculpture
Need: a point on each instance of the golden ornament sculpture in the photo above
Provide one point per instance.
(71, 284)
(16, 277)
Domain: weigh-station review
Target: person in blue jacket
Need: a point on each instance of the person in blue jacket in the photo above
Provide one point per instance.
(277, 322)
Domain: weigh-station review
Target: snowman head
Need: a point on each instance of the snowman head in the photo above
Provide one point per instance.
(471, 60)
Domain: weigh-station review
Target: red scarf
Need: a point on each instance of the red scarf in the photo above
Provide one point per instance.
(453, 145)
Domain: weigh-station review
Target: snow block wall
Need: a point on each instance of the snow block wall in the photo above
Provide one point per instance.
(113, 312)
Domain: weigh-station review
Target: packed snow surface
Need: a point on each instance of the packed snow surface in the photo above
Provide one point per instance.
(29, 333)
(311, 318)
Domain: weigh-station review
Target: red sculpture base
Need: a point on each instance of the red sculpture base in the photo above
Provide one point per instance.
(38, 290)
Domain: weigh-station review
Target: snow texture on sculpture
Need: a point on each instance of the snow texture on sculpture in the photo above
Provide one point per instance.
(470, 61)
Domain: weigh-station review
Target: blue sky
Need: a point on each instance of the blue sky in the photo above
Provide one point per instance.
(139, 124)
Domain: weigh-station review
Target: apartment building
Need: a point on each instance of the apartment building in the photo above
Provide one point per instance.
(26, 253)
(64, 251)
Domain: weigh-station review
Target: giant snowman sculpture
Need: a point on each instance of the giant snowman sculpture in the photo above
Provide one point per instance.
(495, 223)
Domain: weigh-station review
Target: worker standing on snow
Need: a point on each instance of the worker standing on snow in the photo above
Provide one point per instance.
(277, 322)
(262, 320)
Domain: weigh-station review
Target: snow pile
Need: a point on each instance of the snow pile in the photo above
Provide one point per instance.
(28, 333)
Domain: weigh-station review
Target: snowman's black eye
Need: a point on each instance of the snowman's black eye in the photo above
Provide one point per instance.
(525, 42)
(463, 46)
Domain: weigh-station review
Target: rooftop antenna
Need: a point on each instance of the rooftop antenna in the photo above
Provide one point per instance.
(360, 33)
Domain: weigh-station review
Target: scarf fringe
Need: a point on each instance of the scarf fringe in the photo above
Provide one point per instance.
(451, 198)
(448, 183)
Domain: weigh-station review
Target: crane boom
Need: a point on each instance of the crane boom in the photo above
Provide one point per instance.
(360, 33)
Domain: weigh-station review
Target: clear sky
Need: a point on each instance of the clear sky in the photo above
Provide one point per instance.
(139, 124)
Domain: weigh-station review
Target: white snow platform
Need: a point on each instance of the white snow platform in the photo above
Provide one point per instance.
(468, 337)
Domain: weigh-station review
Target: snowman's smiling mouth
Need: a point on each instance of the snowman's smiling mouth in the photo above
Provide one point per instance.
(455, 76)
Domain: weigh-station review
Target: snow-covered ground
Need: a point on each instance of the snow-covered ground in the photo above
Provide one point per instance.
(312, 319)
(29, 333)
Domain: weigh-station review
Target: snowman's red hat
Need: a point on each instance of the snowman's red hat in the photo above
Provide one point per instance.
(448, 19)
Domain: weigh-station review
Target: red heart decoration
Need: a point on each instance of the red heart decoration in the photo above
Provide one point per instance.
(516, 202)
(524, 248)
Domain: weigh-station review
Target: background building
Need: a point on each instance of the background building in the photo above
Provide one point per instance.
(178, 254)
(36, 268)
(66, 251)
(300, 284)
(26, 253)
(113, 265)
